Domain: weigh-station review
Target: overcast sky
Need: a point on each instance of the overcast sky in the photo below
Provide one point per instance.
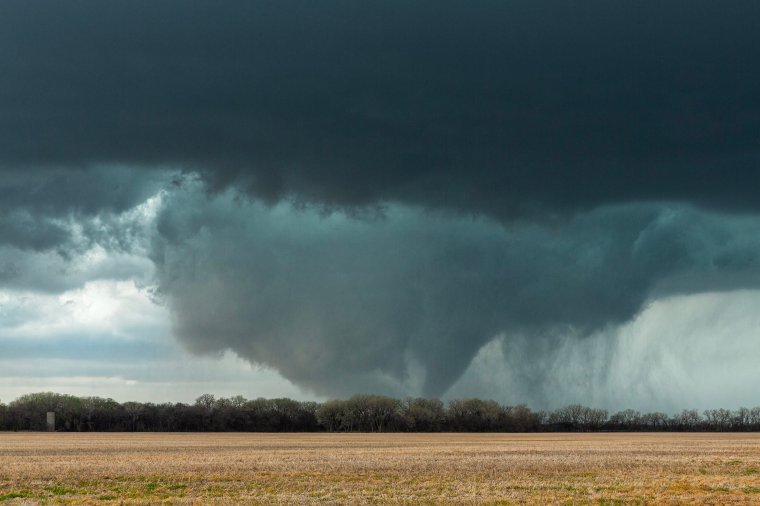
(539, 202)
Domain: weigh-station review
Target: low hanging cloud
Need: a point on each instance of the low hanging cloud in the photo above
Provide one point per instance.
(364, 194)
(509, 108)
(403, 301)
(62, 228)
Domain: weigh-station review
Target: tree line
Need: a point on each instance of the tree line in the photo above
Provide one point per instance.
(360, 413)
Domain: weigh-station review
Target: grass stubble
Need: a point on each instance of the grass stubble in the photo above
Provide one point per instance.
(151, 468)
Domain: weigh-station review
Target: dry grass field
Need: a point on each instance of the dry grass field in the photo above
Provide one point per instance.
(374, 468)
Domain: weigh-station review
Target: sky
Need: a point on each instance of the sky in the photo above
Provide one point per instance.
(538, 202)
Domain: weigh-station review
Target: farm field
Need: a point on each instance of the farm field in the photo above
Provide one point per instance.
(149, 468)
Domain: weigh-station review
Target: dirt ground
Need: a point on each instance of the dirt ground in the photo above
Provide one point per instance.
(150, 468)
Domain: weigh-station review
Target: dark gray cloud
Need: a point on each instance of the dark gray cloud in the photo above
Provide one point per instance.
(633, 125)
(338, 304)
(27, 231)
(41, 209)
(502, 107)
(61, 228)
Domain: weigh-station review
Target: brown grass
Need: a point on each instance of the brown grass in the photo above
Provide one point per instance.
(373, 468)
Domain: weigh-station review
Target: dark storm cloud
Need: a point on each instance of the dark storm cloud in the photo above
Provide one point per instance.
(51, 219)
(339, 304)
(26, 232)
(36, 207)
(635, 122)
(59, 192)
(502, 107)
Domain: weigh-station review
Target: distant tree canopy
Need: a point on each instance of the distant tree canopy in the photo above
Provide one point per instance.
(360, 413)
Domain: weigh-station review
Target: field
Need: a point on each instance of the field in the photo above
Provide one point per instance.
(374, 468)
